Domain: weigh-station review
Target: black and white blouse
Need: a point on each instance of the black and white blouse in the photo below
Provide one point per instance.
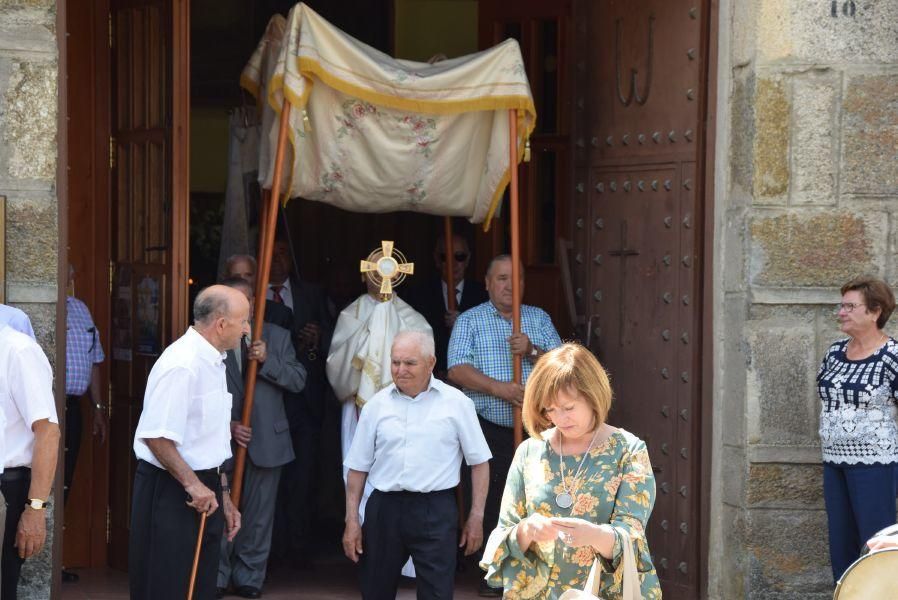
(858, 414)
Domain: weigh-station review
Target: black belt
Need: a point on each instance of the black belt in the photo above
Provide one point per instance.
(15, 473)
(406, 494)
(201, 473)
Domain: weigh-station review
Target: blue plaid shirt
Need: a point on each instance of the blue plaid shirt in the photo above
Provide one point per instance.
(480, 339)
(82, 347)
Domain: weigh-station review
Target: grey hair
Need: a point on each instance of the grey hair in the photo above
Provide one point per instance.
(422, 339)
(210, 305)
(238, 257)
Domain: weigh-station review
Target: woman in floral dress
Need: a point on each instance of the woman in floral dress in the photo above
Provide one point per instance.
(571, 489)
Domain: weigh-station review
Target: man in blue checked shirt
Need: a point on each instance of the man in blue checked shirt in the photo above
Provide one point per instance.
(479, 361)
(83, 355)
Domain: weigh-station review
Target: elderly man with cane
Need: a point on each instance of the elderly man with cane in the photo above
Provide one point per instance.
(183, 436)
(409, 443)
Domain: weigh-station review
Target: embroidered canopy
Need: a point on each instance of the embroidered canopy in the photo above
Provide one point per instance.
(370, 133)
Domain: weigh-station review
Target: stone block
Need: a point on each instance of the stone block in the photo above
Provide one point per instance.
(816, 249)
(780, 379)
(785, 486)
(733, 266)
(734, 362)
(733, 476)
(870, 134)
(27, 27)
(771, 143)
(43, 321)
(31, 240)
(28, 118)
(815, 156)
(788, 554)
(7, 5)
(743, 29)
(799, 31)
(742, 124)
(728, 568)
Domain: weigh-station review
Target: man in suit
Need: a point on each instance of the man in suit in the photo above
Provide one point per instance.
(245, 267)
(313, 327)
(269, 447)
(430, 297)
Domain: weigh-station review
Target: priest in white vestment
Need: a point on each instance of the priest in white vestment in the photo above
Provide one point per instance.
(358, 362)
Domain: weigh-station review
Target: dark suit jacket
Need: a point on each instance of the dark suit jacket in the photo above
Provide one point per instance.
(310, 305)
(427, 299)
(279, 315)
(279, 374)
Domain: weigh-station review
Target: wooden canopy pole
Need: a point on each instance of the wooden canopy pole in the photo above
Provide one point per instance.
(266, 245)
(449, 263)
(517, 365)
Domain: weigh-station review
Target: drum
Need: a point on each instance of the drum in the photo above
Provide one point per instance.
(871, 577)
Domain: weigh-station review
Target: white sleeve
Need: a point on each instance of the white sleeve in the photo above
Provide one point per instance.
(470, 435)
(31, 384)
(361, 453)
(165, 407)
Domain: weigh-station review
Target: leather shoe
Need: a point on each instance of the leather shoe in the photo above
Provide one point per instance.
(220, 592)
(484, 590)
(248, 591)
(69, 576)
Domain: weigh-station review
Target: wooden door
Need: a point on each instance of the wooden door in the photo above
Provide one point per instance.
(149, 220)
(642, 81)
(87, 108)
(543, 31)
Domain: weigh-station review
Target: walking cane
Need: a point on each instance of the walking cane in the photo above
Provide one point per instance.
(196, 557)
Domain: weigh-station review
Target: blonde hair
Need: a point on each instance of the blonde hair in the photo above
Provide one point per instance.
(570, 367)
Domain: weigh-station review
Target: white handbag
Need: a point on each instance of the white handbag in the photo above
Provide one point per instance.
(631, 586)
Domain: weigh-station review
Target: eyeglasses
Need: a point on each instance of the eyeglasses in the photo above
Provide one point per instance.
(847, 307)
(458, 256)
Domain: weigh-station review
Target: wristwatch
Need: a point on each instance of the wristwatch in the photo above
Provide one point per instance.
(37, 504)
(534, 352)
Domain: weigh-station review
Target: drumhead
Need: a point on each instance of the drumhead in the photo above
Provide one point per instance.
(871, 576)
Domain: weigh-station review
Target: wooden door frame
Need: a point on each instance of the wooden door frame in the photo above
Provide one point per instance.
(180, 151)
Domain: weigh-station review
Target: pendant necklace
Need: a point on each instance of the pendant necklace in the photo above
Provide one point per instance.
(566, 498)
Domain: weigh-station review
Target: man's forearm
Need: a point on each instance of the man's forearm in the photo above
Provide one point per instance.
(470, 378)
(43, 461)
(95, 396)
(167, 454)
(355, 483)
(480, 482)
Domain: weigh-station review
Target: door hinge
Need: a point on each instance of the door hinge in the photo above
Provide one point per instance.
(109, 404)
(111, 152)
(110, 30)
(111, 274)
(108, 524)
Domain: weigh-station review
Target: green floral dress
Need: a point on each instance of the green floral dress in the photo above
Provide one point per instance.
(615, 486)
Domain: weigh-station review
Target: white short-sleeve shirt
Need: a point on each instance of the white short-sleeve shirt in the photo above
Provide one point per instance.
(26, 395)
(187, 402)
(417, 444)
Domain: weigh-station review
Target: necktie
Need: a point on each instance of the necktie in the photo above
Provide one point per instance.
(276, 293)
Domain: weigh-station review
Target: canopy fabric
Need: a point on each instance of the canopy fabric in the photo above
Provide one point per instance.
(370, 133)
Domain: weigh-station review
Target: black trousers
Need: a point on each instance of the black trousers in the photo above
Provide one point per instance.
(73, 427)
(163, 537)
(402, 524)
(14, 484)
(501, 442)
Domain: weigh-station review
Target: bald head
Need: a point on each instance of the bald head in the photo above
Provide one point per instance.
(221, 315)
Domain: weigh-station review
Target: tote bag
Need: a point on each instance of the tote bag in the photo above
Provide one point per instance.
(631, 587)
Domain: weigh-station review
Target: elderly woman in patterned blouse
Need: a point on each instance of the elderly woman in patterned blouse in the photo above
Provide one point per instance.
(857, 384)
(571, 488)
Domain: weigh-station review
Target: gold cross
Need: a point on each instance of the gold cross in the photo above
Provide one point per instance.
(388, 265)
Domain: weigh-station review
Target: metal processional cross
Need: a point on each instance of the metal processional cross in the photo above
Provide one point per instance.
(387, 267)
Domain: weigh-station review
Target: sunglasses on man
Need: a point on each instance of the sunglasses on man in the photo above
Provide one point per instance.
(458, 256)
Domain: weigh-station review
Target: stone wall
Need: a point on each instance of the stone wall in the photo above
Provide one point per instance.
(806, 197)
(28, 103)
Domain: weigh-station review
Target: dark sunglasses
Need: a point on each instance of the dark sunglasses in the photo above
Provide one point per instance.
(459, 256)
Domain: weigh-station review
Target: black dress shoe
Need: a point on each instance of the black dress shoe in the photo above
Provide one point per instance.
(69, 577)
(248, 591)
(220, 592)
(484, 590)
